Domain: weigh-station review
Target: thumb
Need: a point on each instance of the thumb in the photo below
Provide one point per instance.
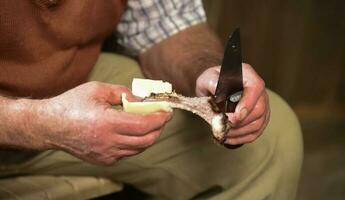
(113, 93)
(207, 82)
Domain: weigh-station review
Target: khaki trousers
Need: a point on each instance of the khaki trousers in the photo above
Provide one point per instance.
(185, 161)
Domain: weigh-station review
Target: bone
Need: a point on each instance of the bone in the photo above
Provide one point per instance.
(204, 107)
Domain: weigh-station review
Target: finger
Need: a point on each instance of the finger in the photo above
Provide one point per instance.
(109, 93)
(212, 82)
(242, 140)
(131, 124)
(248, 129)
(129, 152)
(137, 142)
(207, 81)
(253, 87)
(115, 94)
(259, 111)
(249, 137)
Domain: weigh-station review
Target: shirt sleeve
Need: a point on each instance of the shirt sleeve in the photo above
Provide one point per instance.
(148, 22)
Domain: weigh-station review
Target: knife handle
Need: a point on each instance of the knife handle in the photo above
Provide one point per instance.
(230, 106)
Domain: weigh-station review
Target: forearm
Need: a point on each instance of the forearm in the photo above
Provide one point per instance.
(181, 58)
(19, 124)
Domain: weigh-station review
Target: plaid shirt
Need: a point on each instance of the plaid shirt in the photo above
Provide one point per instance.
(147, 22)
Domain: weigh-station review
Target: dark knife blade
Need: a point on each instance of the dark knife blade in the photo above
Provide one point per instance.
(230, 83)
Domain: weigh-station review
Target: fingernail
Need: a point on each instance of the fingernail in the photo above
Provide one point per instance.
(243, 113)
(227, 142)
(213, 85)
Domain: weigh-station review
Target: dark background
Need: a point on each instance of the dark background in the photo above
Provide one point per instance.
(298, 47)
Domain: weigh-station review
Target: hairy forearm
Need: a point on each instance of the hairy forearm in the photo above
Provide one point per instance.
(19, 124)
(181, 58)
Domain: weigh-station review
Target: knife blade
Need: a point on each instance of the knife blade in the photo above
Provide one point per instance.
(230, 84)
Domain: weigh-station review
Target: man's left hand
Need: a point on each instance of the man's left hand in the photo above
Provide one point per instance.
(252, 112)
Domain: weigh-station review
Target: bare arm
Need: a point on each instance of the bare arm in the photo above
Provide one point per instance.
(80, 121)
(181, 58)
(17, 124)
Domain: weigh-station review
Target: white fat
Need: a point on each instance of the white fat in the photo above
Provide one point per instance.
(144, 87)
(144, 107)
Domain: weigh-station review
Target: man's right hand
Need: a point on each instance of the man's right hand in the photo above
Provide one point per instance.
(82, 122)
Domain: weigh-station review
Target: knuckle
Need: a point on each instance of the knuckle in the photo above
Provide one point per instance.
(259, 109)
(256, 125)
(150, 123)
(141, 127)
(261, 83)
(93, 86)
(141, 143)
(124, 89)
(261, 122)
(136, 127)
(149, 140)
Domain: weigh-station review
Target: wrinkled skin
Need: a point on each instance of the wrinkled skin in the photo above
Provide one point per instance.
(83, 123)
(252, 112)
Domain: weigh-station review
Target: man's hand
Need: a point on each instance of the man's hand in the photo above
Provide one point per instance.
(82, 122)
(252, 112)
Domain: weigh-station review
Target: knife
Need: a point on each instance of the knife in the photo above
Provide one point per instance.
(230, 84)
